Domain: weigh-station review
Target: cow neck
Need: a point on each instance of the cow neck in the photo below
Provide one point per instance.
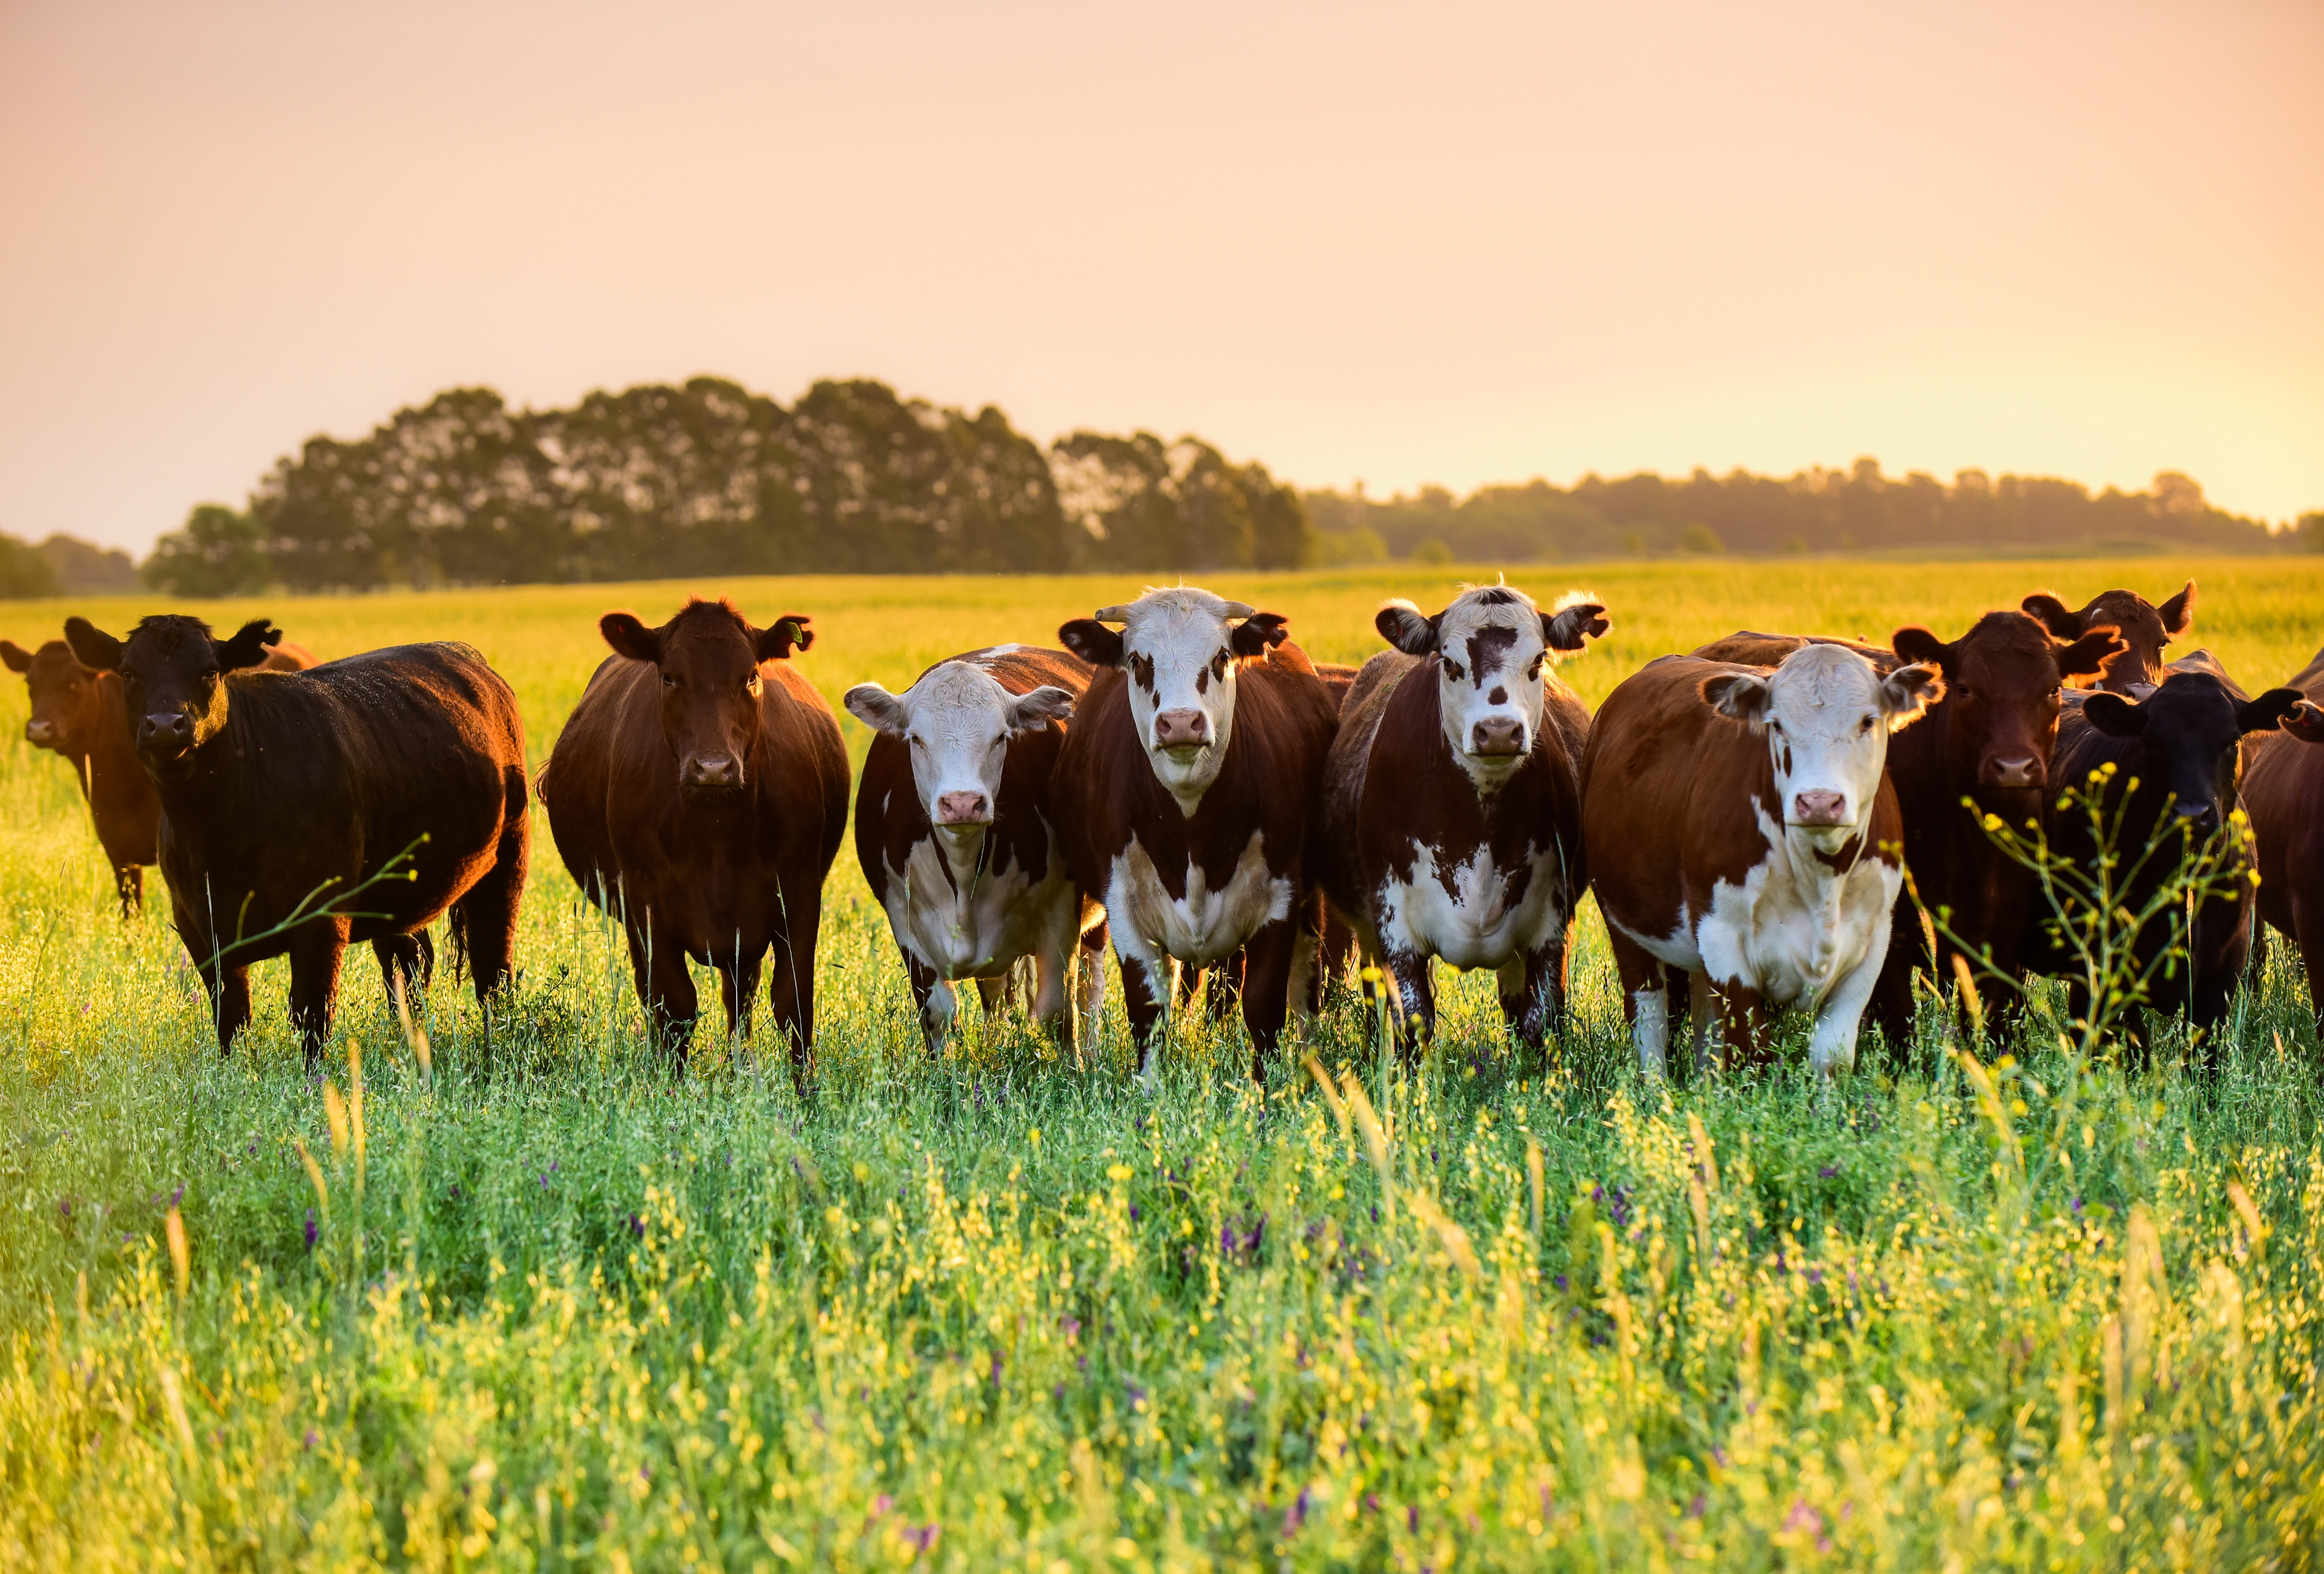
(965, 873)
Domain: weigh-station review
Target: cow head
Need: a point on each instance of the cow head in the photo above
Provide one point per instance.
(1827, 713)
(2145, 628)
(64, 696)
(1492, 646)
(2002, 679)
(956, 721)
(1182, 649)
(172, 680)
(708, 657)
(2187, 737)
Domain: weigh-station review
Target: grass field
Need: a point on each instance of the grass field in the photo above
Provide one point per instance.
(1008, 1311)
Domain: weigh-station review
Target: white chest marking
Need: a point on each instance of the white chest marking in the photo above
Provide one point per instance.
(1204, 926)
(1473, 924)
(983, 922)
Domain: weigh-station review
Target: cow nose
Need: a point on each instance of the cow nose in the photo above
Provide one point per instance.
(174, 729)
(713, 771)
(2200, 818)
(1497, 735)
(2025, 770)
(964, 809)
(1178, 729)
(1818, 807)
(40, 732)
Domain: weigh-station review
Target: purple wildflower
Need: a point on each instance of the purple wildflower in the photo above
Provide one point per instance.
(311, 1231)
(1828, 1172)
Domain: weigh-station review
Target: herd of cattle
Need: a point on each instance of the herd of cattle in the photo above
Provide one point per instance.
(1180, 778)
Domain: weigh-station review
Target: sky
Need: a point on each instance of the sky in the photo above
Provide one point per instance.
(1450, 243)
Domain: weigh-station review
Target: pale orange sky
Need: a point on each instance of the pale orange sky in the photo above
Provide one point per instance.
(1427, 243)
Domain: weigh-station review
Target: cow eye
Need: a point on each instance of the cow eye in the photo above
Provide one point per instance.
(1452, 671)
(669, 679)
(1864, 725)
(1533, 672)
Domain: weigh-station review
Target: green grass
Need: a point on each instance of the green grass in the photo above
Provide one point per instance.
(1009, 1311)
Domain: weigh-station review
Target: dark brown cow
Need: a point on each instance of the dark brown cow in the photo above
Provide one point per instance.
(1988, 740)
(2283, 794)
(283, 792)
(1451, 823)
(2144, 627)
(77, 712)
(957, 835)
(1761, 859)
(699, 793)
(1183, 800)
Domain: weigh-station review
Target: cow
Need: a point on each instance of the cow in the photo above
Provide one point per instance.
(2283, 794)
(1982, 748)
(1184, 793)
(2144, 627)
(957, 835)
(77, 713)
(357, 801)
(699, 793)
(1738, 827)
(2177, 766)
(1451, 818)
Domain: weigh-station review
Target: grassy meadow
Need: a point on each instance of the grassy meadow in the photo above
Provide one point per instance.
(571, 1309)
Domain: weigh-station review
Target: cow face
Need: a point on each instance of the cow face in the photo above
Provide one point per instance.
(1182, 649)
(1826, 714)
(2002, 679)
(64, 696)
(2188, 735)
(172, 680)
(1492, 645)
(708, 659)
(957, 722)
(2145, 629)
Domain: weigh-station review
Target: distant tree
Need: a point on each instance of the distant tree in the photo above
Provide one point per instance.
(2310, 529)
(1701, 539)
(1141, 504)
(25, 573)
(218, 553)
(88, 569)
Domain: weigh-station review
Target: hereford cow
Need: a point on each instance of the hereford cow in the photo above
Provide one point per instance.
(77, 713)
(2178, 758)
(1452, 811)
(2144, 627)
(2283, 794)
(958, 839)
(282, 793)
(1986, 740)
(698, 793)
(1737, 824)
(1183, 796)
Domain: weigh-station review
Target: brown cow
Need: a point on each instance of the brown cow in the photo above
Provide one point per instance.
(2283, 794)
(1989, 740)
(1451, 823)
(1763, 857)
(77, 713)
(1183, 800)
(400, 770)
(957, 835)
(699, 793)
(2144, 627)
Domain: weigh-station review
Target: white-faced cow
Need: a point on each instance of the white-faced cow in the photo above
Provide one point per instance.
(958, 835)
(1183, 799)
(1451, 811)
(1739, 826)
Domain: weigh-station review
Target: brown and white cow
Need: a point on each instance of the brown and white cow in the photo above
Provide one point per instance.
(1451, 811)
(957, 835)
(1183, 797)
(1739, 825)
(2144, 627)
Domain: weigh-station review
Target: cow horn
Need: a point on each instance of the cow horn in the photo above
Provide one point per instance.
(1113, 615)
(1240, 609)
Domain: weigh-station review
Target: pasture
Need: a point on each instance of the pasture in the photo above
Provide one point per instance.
(557, 1307)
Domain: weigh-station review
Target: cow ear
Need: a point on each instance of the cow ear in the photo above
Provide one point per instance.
(1259, 634)
(2053, 615)
(1906, 694)
(2267, 712)
(1739, 695)
(1917, 643)
(631, 637)
(2113, 716)
(2306, 724)
(1568, 630)
(789, 633)
(2179, 612)
(1032, 712)
(2088, 654)
(1092, 642)
(248, 647)
(92, 647)
(1401, 625)
(876, 709)
(18, 658)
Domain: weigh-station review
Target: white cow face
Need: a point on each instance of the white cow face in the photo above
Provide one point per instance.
(957, 721)
(1181, 649)
(1826, 714)
(1492, 645)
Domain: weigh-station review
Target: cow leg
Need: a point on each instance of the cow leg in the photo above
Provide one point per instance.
(1416, 993)
(409, 958)
(665, 988)
(738, 989)
(1532, 992)
(1335, 948)
(1265, 990)
(1645, 1001)
(1730, 1024)
(1053, 974)
(934, 999)
(129, 884)
(1145, 1000)
(316, 950)
(487, 911)
(1088, 985)
(792, 994)
(229, 992)
(1832, 1043)
(2308, 934)
(1223, 987)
